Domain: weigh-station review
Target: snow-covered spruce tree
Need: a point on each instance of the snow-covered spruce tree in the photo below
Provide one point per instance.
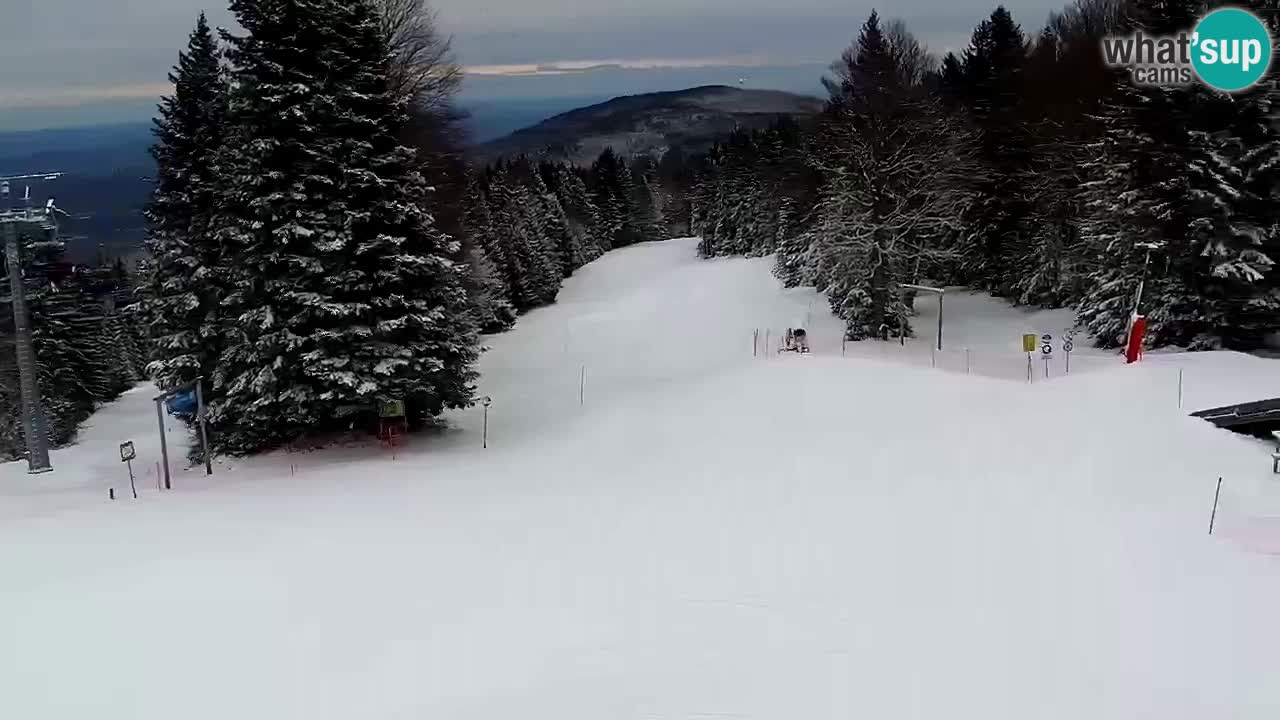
(279, 200)
(553, 225)
(11, 441)
(991, 91)
(704, 202)
(343, 293)
(1048, 267)
(184, 294)
(85, 348)
(1254, 302)
(536, 248)
(743, 208)
(1066, 87)
(783, 186)
(526, 264)
(897, 178)
(575, 236)
(1174, 171)
(613, 193)
(487, 289)
(482, 227)
(72, 343)
(751, 191)
(500, 202)
(739, 198)
(797, 260)
(491, 310)
(108, 292)
(583, 215)
(1110, 229)
(393, 320)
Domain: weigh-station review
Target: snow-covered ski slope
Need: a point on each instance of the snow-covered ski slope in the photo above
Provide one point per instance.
(692, 533)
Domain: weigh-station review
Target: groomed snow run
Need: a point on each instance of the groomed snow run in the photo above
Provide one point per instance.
(666, 526)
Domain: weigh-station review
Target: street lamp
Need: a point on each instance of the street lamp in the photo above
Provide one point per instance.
(936, 291)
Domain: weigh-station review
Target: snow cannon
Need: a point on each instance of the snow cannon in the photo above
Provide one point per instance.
(797, 341)
(1137, 333)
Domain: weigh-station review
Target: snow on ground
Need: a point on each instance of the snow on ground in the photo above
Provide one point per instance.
(693, 532)
(83, 472)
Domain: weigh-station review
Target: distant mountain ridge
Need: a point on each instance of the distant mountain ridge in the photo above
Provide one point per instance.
(650, 123)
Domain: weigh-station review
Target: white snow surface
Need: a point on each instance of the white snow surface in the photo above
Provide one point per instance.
(690, 533)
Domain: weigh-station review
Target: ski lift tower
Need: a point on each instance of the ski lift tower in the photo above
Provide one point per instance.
(12, 222)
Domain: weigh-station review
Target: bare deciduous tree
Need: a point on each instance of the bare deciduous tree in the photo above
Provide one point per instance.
(423, 67)
(424, 71)
(910, 58)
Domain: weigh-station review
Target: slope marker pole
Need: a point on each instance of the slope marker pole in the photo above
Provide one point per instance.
(1214, 515)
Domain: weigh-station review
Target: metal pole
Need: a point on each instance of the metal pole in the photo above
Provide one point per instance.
(486, 426)
(204, 428)
(1179, 388)
(1142, 284)
(32, 409)
(582, 386)
(132, 487)
(940, 320)
(164, 445)
(1214, 515)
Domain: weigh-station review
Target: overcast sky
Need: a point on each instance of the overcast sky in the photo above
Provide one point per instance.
(70, 56)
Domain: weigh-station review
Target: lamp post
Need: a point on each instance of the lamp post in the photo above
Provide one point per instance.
(940, 292)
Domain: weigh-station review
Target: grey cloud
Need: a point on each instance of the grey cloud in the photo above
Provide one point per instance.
(108, 47)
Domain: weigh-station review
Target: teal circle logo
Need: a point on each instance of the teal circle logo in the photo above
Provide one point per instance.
(1231, 49)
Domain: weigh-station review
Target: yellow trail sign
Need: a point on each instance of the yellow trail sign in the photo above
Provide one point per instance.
(1029, 342)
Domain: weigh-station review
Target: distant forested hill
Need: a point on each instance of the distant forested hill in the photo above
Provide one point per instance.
(649, 124)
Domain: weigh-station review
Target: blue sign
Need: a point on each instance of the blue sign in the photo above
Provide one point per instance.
(182, 404)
